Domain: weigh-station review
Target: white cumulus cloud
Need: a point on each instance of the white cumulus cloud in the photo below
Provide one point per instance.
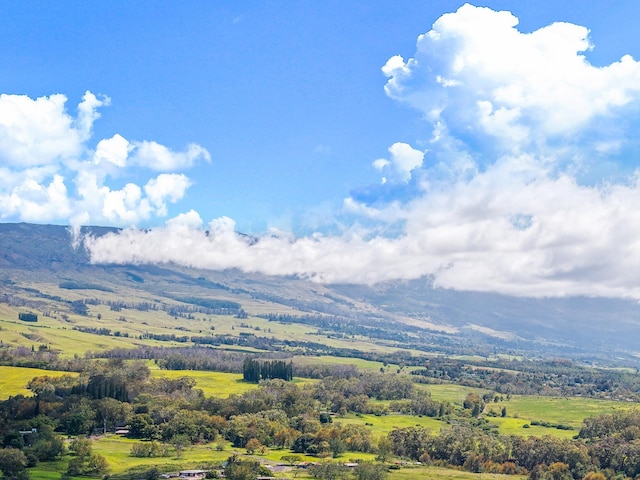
(51, 172)
(515, 87)
(158, 157)
(37, 132)
(114, 150)
(404, 159)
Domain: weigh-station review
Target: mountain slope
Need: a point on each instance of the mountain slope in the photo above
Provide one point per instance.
(39, 264)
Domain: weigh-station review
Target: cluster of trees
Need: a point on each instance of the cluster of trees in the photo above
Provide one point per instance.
(526, 377)
(613, 441)
(255, 370)
(180, 358)
(26, 443)
(28, 317)
(44, 358)
(189, 306)
(477, 450)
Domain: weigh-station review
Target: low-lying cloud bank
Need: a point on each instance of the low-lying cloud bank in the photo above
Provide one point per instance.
(533, 237)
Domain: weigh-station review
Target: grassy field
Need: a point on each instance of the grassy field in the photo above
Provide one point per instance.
(13, 380)
(360, 363)
(515, 426)
(117, 450)
(213, 384)
(523, 409)
(448, 392)
(568, 411)
(381, 425)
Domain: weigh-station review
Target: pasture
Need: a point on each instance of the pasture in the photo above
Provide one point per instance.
(13, 380)
(383, 424)
(564, 410)
(359, 363)
(449, 392)
(213, 384)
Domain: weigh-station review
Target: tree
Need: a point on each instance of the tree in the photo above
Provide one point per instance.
(370, 471)
(594, 476)
(558, 471)
(141, 426)
(180, 442)
(45, 445)
(112, 411)
(238, 469)
(286, 436)
(252, 445)
(13, 464)
(329, 471)
(47, 448)
(81, 447)
(291, 459)
(474, 403)
(385, 449)
(85, 461)
(251, 370)
(337, 446)
(79, 419)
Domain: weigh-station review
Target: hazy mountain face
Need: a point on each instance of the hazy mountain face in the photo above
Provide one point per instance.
(575, 326)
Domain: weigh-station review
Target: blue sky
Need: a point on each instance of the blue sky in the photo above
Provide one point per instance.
(355, 151)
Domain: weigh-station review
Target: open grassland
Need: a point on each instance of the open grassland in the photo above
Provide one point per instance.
(561, 410)
(13, 380)
(515, 426)
(449, 392)
(117, 452)
(330, 360)
(523, 409)
(213, 384)
(48, 470)
(382, 425)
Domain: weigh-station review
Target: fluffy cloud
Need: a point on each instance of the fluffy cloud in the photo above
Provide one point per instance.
(36, 202)
(40, 131)
(158, 157)
(475, 71)
(166, 187)
(45, 152)
(114, 150)
(498, 205)
(404, 159)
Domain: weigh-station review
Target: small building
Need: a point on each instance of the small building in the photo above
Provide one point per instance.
(193, 474)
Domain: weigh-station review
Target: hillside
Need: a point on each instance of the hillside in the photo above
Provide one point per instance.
(41, 271)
